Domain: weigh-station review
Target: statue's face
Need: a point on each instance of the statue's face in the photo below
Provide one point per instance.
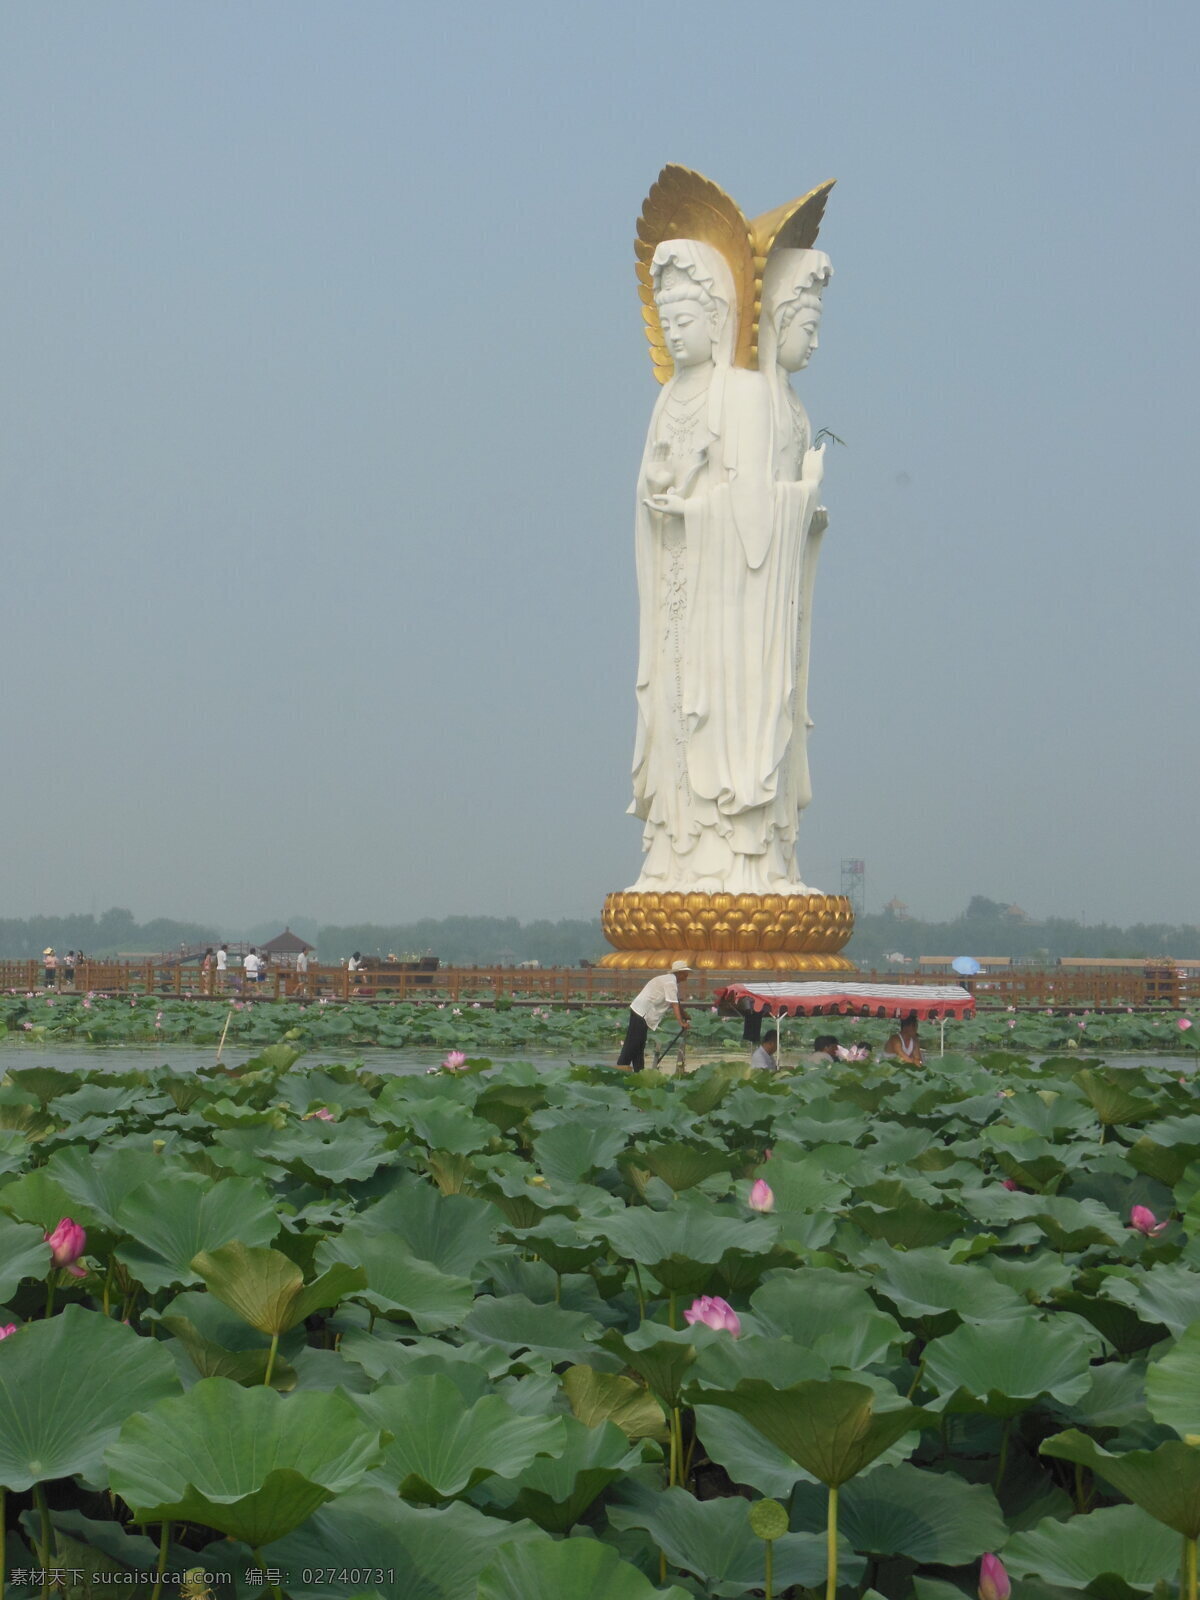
(800, 338)
(688, 330)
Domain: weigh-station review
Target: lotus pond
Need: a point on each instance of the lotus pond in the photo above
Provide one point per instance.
(517, 1334)
(505, 1030)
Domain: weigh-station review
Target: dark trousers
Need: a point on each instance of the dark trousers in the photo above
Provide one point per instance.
(633, 1051)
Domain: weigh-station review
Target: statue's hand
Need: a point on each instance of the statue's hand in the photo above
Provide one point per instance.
(813, 469)
(669, 503)
(820, 521)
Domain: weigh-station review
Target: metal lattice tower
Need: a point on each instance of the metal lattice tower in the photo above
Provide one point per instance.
(854, 883)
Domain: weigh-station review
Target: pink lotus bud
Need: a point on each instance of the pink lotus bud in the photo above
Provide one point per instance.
(993, 1580)
(714, 1312)
(67, 1243)
(1144, 1220)
(762, 1196)
(453, 1060)
(1183, 1024)
(8, 1330)
(1009, 1184)
(322, 1114)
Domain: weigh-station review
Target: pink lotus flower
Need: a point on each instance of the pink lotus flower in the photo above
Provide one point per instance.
(714, 1312)
(322, 1114)
(8, 1330)
(852, 1052)
(28, 1027)
(453, 1060)
(993, 1580)
(67, 1243)
(1183, 1024)
(762, 1196)
(1144, 1220)
(1009, 1184)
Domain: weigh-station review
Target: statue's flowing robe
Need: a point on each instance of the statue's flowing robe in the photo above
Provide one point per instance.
(716, 766)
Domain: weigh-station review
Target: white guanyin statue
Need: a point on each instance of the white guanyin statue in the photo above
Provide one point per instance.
(727, 531)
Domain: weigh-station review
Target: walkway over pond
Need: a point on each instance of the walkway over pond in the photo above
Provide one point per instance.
(1058, 988)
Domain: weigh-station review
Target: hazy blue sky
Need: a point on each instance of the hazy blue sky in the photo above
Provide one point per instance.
(322, 395)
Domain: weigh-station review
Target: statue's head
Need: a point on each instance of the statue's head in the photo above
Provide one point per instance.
(793, 283)
(694, 297)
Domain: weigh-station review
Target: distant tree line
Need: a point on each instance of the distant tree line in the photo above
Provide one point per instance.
(990, 928)
(985, 928)
(114, 933)
(472, 941)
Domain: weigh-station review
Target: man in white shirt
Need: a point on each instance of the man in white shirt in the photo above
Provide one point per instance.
(763, 1058)
(251, 965)
(222, 965)
(647, 1009)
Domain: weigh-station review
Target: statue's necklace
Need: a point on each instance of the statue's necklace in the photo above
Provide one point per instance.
(682, 416)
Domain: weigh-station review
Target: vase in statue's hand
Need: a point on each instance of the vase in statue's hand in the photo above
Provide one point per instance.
(660, 474)
(813, 470)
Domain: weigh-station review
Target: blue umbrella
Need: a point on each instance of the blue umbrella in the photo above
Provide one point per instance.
(966, 966)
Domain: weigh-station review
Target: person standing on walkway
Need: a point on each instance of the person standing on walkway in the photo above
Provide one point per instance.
(50, 967)
(222, 965)
(647, 1009)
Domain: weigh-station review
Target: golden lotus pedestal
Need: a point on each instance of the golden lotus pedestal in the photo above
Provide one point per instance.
(729, 932)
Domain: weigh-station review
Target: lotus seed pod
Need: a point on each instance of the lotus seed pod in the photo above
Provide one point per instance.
(768, 1519)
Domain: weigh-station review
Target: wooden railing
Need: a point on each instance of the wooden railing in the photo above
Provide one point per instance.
(1025, 988)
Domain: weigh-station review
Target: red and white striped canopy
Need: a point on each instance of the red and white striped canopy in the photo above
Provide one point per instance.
(867, 999)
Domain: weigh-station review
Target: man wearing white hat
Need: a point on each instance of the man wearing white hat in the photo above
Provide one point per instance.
(647, 1009)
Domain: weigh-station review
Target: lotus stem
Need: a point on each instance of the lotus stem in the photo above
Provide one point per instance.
(51, 1280)
(677, 1473)
(271, 1361)
(558, 1288)
(274, 1588)
(641, 1295)
(917, 1376)
(1189, 1566)
(164, 1539)
(831, 1574)
(47, 1551)
(770, 1569)
(671, 1322)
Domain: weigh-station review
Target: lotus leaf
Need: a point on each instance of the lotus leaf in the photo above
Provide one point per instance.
(571, 1151)
(1167, 1293)
(397, 1282)
(832, 1428)
(682, 1245)
(714, 1540)
(581, 1568)
(1164, 1481)
(24, 1253)
(1003, 1368)
(454, 1232)
(172, 1219)
(516, 1323)
(99, 1180)
(1116, 1542)
(555, 1491)
(267, 1290)
(412, 1553)
(931, 1517)
(248, 1463)
(829, 1313)
(441, 1444)
(1173, 1386)
(66, 1386)
(599, 1397)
